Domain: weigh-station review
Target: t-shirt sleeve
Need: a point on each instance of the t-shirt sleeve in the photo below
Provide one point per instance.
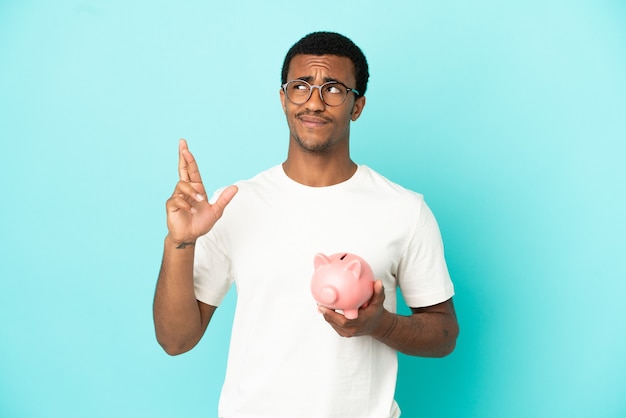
(212, 268)
(423, 274)
(211, 271)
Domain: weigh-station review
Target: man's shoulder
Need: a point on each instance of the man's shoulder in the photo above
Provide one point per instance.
(272, 173)
(269, 177)
(377, 181)
(259, 181)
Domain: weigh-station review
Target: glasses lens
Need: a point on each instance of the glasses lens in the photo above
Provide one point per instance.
(334, 93)
(298, 91)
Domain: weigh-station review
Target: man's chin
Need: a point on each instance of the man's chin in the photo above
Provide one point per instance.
(316, 146)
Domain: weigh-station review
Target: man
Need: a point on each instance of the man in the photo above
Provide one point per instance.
(288, 357)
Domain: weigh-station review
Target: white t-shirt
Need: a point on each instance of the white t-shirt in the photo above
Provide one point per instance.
(285, 361)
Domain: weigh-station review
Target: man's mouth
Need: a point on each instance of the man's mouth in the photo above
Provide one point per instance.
(310, 121)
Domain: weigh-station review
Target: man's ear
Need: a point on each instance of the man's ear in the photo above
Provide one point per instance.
(282, 100)
(357, 109)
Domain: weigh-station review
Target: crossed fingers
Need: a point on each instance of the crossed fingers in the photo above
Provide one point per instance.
(187, 165)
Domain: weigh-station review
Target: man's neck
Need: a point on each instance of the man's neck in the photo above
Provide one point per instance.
(317, 171)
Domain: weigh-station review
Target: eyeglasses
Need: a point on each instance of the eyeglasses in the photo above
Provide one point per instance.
(332, 93)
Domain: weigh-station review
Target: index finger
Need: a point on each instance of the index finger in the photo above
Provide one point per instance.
(187, 166)
(331, 316)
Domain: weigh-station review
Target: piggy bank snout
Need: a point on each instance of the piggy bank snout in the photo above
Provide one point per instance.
(328, 295)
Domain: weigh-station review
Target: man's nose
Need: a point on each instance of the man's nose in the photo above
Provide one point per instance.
(315, 102)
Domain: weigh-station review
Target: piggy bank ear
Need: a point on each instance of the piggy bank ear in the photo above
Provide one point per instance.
(354, 267)
(320, 260)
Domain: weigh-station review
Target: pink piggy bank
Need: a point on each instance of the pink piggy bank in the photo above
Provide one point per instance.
(342, 281)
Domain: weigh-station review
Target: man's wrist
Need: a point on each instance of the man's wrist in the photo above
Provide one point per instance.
(180, 244)
(386, 327)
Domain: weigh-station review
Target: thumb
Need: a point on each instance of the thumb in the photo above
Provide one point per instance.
(224, 199)
(379, 293)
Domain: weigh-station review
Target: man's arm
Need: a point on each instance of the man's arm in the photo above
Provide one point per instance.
(428, 332)
(179, 319)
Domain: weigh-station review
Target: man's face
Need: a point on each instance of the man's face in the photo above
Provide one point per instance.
(313, 125)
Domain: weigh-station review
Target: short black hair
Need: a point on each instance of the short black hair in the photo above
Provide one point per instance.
(330, 43)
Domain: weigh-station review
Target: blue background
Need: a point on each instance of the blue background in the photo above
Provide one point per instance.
(510, 117)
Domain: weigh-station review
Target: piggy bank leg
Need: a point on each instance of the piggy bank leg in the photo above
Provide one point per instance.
(351, 313)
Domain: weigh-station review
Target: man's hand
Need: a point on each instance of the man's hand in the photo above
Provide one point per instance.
(189, 214)
(369, 319)
(429, 331)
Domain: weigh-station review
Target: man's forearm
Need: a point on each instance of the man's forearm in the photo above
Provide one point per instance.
(177, 318)
(426, 333)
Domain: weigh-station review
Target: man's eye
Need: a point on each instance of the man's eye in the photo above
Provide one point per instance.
(334, 89)
(300, 87)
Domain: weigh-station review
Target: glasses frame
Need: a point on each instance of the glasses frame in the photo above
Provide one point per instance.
(319, 88)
